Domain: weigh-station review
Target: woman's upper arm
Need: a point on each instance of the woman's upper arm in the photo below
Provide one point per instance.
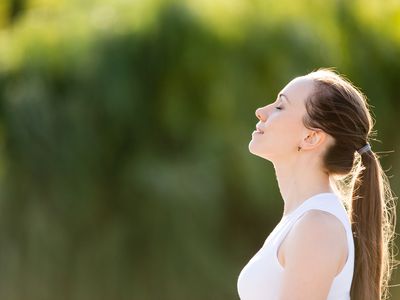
(313, 251)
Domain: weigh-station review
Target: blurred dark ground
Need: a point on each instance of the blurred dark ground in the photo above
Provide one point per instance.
(124, 130)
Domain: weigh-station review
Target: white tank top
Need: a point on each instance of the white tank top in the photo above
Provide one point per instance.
(260, 278)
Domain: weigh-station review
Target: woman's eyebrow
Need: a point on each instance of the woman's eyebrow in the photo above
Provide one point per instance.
(283, 95)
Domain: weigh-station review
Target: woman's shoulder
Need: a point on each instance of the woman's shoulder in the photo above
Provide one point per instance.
(317, 234)
(314, 254)
(316, 220)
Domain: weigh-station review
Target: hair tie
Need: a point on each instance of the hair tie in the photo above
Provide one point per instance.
(364, 149)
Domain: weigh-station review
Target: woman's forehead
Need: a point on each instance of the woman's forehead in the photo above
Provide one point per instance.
(298, 89)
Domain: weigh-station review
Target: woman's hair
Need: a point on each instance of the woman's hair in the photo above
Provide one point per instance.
(341, 110)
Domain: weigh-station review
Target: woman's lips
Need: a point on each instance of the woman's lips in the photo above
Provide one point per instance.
(259, 130)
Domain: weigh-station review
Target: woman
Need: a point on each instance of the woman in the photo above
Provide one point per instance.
(335, 237)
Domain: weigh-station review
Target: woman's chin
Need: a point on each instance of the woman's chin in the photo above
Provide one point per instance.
(254, 148)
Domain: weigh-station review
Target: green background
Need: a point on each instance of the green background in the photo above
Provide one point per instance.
(124, 129)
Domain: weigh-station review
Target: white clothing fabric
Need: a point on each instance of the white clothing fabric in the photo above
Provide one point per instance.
(260, 278)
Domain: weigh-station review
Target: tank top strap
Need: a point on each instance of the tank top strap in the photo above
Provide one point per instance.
(328, 202)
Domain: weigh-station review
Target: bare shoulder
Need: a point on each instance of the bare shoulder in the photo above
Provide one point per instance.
(315, 252)
(315, 218)
(320, 230)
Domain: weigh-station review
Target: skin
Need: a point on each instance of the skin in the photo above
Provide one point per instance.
(315, 250)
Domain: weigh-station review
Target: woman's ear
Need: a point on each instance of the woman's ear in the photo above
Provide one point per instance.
(313, 139)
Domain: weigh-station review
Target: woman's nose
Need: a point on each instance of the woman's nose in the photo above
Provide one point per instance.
(260, 114)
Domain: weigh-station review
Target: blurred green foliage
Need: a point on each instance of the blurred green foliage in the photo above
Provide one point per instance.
(124, 128)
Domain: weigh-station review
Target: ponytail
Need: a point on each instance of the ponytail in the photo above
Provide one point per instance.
(373, 219)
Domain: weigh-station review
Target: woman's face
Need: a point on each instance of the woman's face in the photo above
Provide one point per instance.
(281, 122)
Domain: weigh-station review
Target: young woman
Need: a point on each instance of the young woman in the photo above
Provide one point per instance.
(335, 238)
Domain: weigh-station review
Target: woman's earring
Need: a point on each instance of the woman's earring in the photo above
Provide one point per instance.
(298, 148)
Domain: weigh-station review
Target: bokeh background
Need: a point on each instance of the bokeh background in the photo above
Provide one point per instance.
(124, 131)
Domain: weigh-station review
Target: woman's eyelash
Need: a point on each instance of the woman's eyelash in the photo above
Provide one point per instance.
(278, 107)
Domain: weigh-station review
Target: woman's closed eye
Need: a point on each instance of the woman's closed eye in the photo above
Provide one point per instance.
(279, 107)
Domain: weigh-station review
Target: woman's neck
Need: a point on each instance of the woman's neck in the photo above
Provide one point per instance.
(298, 182)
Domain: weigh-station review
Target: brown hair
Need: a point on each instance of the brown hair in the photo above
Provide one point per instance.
(340, 109)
